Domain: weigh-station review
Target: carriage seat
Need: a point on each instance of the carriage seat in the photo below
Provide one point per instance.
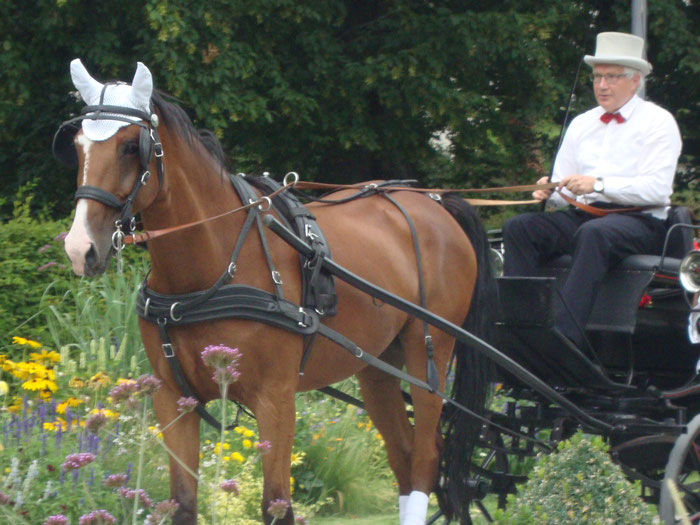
(679, 242)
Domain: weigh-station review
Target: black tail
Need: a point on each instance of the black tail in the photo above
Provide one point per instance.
(472, 372)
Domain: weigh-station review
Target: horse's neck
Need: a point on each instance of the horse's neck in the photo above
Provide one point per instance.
(194, 258)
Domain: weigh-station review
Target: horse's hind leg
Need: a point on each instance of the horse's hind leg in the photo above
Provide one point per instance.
(425, 455)
(382, 396)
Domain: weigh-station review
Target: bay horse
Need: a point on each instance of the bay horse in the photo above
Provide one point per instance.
(128, 129)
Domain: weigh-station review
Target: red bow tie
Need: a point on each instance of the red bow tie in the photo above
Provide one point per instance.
(607, 117)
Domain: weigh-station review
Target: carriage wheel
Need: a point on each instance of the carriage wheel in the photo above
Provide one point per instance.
(683, 468)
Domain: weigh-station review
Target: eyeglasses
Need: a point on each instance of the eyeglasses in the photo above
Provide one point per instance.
(610, 78)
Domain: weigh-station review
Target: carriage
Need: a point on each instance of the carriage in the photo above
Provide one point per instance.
(378, 280)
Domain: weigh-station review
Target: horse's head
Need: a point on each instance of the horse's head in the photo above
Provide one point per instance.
(113, 144)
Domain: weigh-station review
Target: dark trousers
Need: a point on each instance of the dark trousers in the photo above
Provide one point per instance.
(595, 243)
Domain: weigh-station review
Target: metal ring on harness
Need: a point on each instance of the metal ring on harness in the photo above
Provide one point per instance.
(172, 313)
(294, 175)
(118, 238)
(260, 202)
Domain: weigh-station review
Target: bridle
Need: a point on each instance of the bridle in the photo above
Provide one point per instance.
(149, 146)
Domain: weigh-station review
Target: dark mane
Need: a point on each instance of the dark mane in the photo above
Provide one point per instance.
(175, 118)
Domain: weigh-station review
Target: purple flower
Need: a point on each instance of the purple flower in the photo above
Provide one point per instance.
(230, 485)
(49, 265)
(123, 391)
(97, 517)
(42, 250)
(220, 356)
(76, 461)
(163, 511)
(278, 508)
(60, 237)
(148, 384)
(226, 375)
(58, 519)
(4, 499)
(114, 481)
(301, 520)
(263, 447)
(95, 422)
(131, 494)
(186, 404)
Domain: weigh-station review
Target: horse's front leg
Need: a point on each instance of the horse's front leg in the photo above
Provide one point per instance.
(276, 414)
(182, 440)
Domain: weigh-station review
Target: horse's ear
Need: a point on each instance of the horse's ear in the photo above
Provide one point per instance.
(142, 87)
(88, 87)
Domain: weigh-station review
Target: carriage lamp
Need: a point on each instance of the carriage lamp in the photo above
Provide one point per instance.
(496, 258)
(690, 272)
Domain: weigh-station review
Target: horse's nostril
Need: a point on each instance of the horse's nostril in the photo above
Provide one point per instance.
(91, 256)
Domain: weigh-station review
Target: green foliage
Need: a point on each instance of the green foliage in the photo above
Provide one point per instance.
(343, 468)
(31, 260)
(337, 90)
(577, 484)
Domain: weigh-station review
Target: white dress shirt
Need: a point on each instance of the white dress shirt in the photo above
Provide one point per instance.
(637, 158)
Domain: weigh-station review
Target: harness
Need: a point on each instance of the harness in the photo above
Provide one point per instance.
(224, 300)
(149, 146)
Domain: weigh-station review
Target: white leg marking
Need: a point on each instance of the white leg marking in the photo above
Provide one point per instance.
(416, 508)
(403, 501)
(86, 143)
(78, 239)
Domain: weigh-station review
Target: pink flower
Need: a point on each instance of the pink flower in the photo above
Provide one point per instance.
(278, 508)
(148, 384)
(95, 422)
(124, 391)
(76, 461)
(58, 519)
(220, 356)
(226, 375)
(97, 517)
(263, 447)
(230, 485)
(131, 494)
(114, 481)
(162, 513)
(186, 404)
(60, 237)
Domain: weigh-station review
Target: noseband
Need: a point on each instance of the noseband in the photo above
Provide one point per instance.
(149, 146)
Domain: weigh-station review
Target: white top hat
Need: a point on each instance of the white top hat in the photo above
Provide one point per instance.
(619, 49)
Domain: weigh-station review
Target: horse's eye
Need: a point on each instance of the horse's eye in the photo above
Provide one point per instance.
(131, 148)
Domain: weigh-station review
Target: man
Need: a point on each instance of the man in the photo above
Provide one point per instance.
(620, 154)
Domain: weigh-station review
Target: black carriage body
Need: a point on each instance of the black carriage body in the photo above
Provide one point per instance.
(638, 373)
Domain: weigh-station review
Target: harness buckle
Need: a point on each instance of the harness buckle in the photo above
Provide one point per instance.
(435, 196)
(231, 270)
(305, 319)
(168, 350)
(276, 277)
(309, 233)
(144, 178)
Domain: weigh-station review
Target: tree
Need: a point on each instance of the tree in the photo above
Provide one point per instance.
(338, 90)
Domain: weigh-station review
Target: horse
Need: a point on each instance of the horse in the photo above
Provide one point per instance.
(128, 131)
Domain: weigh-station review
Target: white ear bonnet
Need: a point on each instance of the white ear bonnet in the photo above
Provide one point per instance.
(135, 96)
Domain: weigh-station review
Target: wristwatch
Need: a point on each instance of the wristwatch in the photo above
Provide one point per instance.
(598, 185)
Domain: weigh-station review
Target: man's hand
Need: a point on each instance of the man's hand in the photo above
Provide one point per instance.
(578, 184)
(542, 195)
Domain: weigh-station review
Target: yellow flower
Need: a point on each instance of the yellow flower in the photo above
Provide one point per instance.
(291, 484)
(107, 413)
(218, 447)
(59, 423)
(76, 382)
(45, 357)
(4, 388)
(247, 443)
(123, 380)
(40, 384)
(298, 458)
(16, 405)
(156, 432)
(28, 342)
(99, 380)
(236, 456)
(248, 433)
